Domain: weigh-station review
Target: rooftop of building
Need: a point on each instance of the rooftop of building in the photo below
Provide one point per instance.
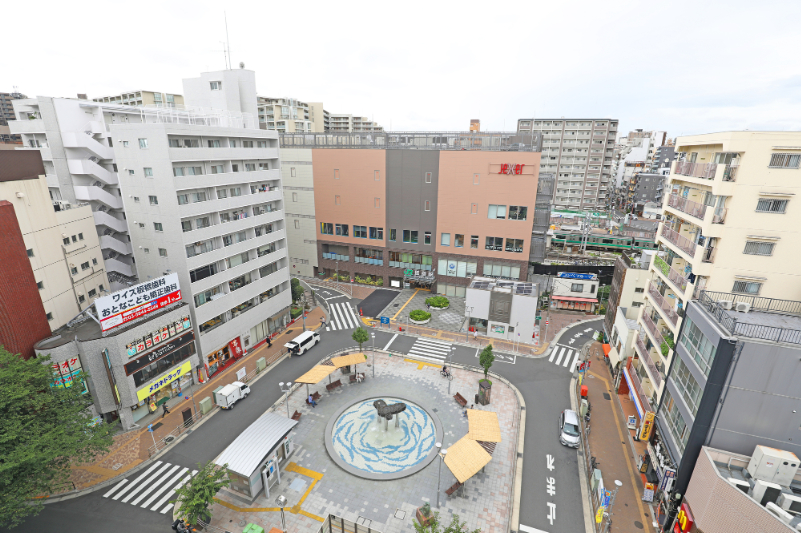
(21, 165)
(502, 141)
(88, 329)
(754, 317)
(518, 288)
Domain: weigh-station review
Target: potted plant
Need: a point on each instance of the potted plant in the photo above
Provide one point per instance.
(418, 316)
(424, 515)
(438, 302)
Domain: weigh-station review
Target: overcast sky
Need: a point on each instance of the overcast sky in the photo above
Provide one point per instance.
(681, 66)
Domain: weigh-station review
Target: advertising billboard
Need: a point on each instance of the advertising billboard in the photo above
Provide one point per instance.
(134, 302)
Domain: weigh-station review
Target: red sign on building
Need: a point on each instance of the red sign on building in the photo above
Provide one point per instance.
(508, 168)
(235, 348)
(684, 520)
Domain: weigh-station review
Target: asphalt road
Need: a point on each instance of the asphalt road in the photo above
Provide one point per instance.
(543, 383)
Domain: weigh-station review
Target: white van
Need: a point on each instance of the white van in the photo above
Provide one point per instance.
(303, 342)
(230, 394)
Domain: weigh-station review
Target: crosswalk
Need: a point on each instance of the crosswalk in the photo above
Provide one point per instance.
(565, 356)
(153, 488)
(342, 316)
(430, 349)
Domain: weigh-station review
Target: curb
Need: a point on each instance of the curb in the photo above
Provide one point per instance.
(149, 460)
(562, 332)
(589, 517)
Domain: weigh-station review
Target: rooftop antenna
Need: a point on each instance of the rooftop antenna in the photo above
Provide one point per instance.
(227, 40)
(225, 54)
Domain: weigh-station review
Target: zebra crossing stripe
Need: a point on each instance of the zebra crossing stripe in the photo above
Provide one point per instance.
(146, 482)
(561, 353)
(155, 484)
(117, 486)
(356, 315)
(553, 354)
(137, 480)
(167, 497)
(165, 487)
(575, 362)
(346, 314)
(432, 349)
(567, 359)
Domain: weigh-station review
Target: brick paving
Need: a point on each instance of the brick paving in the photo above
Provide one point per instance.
(131, 448)
(611, 445)
(315, 486)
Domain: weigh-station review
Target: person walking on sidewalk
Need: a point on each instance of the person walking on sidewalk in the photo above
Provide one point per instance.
(475, 335)
(269, 343)
(322, 322)
(166, 411)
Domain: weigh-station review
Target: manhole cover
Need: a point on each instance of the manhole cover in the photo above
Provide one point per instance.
(117, 466)
(169, 439)
(638, 525)
(287, 332)
(400, 515)
(156, 426)
(396, 305)
(435, 410)
(607, 397)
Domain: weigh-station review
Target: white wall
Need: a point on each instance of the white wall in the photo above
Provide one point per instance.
(301, 224)
(238, 93)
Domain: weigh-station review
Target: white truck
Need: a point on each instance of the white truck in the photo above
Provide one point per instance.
(230, 394)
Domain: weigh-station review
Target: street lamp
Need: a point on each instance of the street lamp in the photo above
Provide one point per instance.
(303, 311)
(337, 278)
(452, 352)
(281, 502)
(441, 454)
(372, 334)
(469, 310)
(286, 394)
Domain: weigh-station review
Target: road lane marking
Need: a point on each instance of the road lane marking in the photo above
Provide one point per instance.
(137, 480)
(390, 342)
(118, 485)
(561, 353)
(145, 482)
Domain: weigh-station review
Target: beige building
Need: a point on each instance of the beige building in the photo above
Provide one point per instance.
(731, 226)
(289, 115)
(297, 174)
(63, 246)
(143, 98)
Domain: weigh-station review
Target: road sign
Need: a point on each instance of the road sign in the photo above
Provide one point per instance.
(385, 320)
(539, 318)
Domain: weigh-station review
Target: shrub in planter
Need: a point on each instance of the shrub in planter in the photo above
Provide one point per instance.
(419, 315)
(295, 312)
(438, 301)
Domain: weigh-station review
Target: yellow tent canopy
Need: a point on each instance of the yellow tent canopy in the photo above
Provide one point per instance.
(465, 458)
(315, 375)
(483, 426)
(347, 360)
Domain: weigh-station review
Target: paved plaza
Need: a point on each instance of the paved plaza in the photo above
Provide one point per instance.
(315, 486)
(451, 319)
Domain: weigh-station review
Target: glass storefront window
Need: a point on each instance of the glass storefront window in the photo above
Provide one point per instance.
(164, 364)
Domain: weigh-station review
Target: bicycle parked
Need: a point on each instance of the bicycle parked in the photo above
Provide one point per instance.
(445, 373)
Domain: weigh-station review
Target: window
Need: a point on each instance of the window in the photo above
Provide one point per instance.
(377, 175)
(66, 240)
(690, 391)
(216, 169)
(337, 200)
(326, 228)
(784, 160)
(636, 304)
(294, 197)
(336, 173)
(250, 167)
(130, 172)
(360, 232)
(410, 236)
(292, 172)
(125, 144)
(142, 144)
(202, 222)
(341, 229)
(576, 287)
(247, 144)
(162, 252)
(74, 238)
(476, 179)
(157, 226)
(100, 288)
(148, 172)
(376, 233)
(81, 298)
(198, 196)
(30, 252)
(474, 242)
(393, 235)
(92, 293)
(765, 205)
(428, 177)
(186, 225)
(136, 199)
(514, 245)
(235, 191)
(759, 248)
(639, 289)
(427, 237)
(458, 240)
(494, 243)
(141, 224)
(496, 211)
(238, 260)
(216, 85)
(377, 203)
(154, 200)
(698, 346)
(206, 296)
(40, 285)
(297, 224)
(675, 422)
(517, 212)
(234, 238)
(73, 271)
(747, 287)
(234, 167)
(202, 272)
(452, 267)
(445, 239)
(80, 236)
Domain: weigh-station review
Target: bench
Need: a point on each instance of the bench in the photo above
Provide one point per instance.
(356, 377)
(315, 397)
(460, 399)
(296, 416)
(333, 385)
(456, 486)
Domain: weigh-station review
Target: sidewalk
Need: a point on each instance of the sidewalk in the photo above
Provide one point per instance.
(130, 449)
(611, 444)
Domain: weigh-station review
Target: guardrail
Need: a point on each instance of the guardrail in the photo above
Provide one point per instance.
(755, 331)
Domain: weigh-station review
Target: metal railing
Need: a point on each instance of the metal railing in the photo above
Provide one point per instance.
(683, 243)
(346, 288)
(645, 355)
(650, 326)
(416, 140)
(730, 172)
(663, 304)
(755, 331)
(337, 524)
(687, 206)
(719, 217)
(696, 170)
(675, 277)
(708, 255)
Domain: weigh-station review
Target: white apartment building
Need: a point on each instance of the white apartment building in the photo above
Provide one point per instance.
(731, 229)
(203, 198)
(502, 309)
(579, 153)
(288, 115)
(297, 176)
(349, 123)
(573, 291)
(74, 141)
(143, 98)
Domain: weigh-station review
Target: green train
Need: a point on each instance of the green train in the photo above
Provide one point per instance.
(602, 242)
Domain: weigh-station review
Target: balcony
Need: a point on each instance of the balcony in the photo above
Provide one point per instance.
(663, 304)
(683, 243)
(730, 172)
(708, 255)
(677, 279)
(719, 217)
(335, 257)
(696, 170)
(687, 206)
(645, 356)
(652, 329)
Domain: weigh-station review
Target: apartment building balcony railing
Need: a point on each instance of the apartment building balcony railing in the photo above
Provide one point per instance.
(336, 257)
(663, 304)
(368, 260)
(730, 172)
(756, 328)
(675, 277)
(687, 206)
(645, 356)
(708, 255)
(719, 217)
(683, 243)
(696, 170)
(651, 327)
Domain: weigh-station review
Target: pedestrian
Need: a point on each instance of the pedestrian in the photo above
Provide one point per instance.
(588, 364)
(322, 322)
(311, 401)
(269, 343)
(166, 411)
(475, 335)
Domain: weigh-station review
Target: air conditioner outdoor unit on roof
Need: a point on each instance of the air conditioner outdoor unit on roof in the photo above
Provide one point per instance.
(743, 307)
(725, 304)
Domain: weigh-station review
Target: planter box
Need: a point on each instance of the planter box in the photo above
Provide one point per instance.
(423, 520)
(420, 322)
(440, 308)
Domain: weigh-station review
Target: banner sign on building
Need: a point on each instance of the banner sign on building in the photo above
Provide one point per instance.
(574, 275)
(647, 425)
(159, 335)
(137, 301)
(684, 521)
(65, 373)
(162, 351)
(162, 382)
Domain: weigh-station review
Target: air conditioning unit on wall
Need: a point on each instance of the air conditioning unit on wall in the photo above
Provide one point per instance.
(743, 307)
(725, 304)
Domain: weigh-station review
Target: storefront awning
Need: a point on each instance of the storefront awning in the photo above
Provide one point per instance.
(573, 299)
(607, 348)
(633, 393)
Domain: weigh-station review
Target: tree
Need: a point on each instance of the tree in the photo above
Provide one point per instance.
(486, 359)
(195, 496)
(297, 289)
(44, 430)
(434, 526)
(360, 336)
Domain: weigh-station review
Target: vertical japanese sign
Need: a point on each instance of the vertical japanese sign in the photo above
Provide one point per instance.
(66, 373)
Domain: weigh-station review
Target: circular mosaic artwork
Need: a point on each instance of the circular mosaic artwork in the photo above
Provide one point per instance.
(359, 439)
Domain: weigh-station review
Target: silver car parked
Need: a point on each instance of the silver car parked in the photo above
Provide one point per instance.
(569, 432)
